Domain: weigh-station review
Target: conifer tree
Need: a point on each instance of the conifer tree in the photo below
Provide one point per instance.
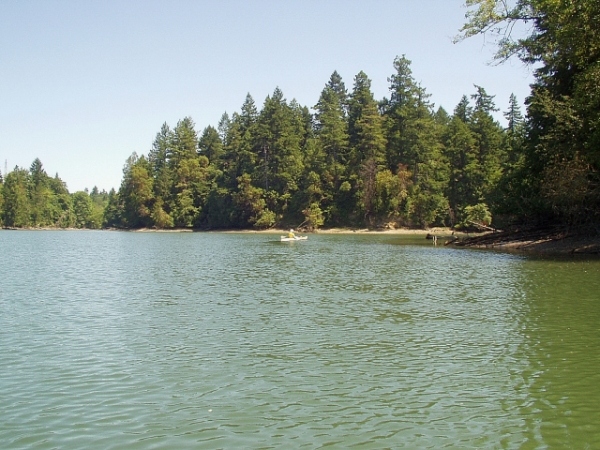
(113, 211)
(328, 158)
(460, 151)
(413, 142)
(1, 200)
(510, 189)
(239, 143)
(184, 142)
(62, 203)
(135, 193)
(367, 140)
(490, 144)
(331, 122)
(560, 172)
(16, 201)
(515, 131)
(83, 209)
(40, 195)
(280, 135)
(211, 146)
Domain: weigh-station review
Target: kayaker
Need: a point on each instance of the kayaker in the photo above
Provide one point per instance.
(291, 234)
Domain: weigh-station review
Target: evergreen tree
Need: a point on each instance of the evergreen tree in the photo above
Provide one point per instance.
(560, 172)
(192, 188)
(251, 205)
(158, 156)
(83, 208)
(398, 111)
(39, 195)
(489, 141)
(135, 193)
(162, 174)
(62, 203)
(113, 211)
(461, 153)
(99, 202)
(508, 194)
(211, 146)
(1, 200)
(515, 131)
(248, 115)
(184, 142)
(16, 201)
(331, 123)
(367, 141)
(223, 127)
(240, 152)
(413, 142)
(280, 134)
(327, 159)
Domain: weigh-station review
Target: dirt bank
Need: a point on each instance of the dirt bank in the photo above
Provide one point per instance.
(547, 241)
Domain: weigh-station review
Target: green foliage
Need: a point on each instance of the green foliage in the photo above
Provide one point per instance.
(30, 198)
(211, 146)
(99, 202)
(83, 209)
(136, 193)
(313, 217)
(16, 200)
(264, 219)
(1, 199)
(477, 151)
(359, 161)
(476, 214)
(331, 124)
(391, 195)
(356, 162)
(279, 137)
(184, 142)
(426, 209)
(250, 202)
(113, 210)
(555, 169)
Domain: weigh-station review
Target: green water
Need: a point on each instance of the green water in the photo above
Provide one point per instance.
(191, 340)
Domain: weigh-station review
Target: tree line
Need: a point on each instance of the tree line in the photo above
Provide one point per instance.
(31, 198)
(355, 161)
(358, 161)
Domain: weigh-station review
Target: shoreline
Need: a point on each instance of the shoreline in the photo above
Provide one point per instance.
(281, 231)
(537, 241)
(440, 231)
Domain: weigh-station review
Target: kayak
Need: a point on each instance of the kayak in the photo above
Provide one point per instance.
(297, 238)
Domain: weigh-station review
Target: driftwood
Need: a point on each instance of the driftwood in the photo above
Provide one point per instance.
(480, 225)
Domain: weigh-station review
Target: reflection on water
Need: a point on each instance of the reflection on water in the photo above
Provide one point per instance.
(132, 340)
(560, 382)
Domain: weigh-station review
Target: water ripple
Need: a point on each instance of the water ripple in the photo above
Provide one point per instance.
(129, 340)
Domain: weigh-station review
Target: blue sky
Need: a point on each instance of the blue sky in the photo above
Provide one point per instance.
(86, 83)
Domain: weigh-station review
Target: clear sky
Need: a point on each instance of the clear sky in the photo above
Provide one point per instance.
(84, 83)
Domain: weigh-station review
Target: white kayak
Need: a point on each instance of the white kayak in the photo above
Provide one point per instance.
(297, 238)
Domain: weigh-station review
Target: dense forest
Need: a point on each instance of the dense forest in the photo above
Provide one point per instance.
(358, 161)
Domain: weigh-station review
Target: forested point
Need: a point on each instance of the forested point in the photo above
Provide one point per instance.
(358, 161)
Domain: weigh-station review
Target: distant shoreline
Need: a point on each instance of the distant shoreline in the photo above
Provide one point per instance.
(280, 231)
(547, 242)
(440, 231)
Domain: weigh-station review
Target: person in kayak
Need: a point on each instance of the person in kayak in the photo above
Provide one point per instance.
(291, 234)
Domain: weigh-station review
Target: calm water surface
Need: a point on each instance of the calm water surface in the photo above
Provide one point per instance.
(190, 340)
